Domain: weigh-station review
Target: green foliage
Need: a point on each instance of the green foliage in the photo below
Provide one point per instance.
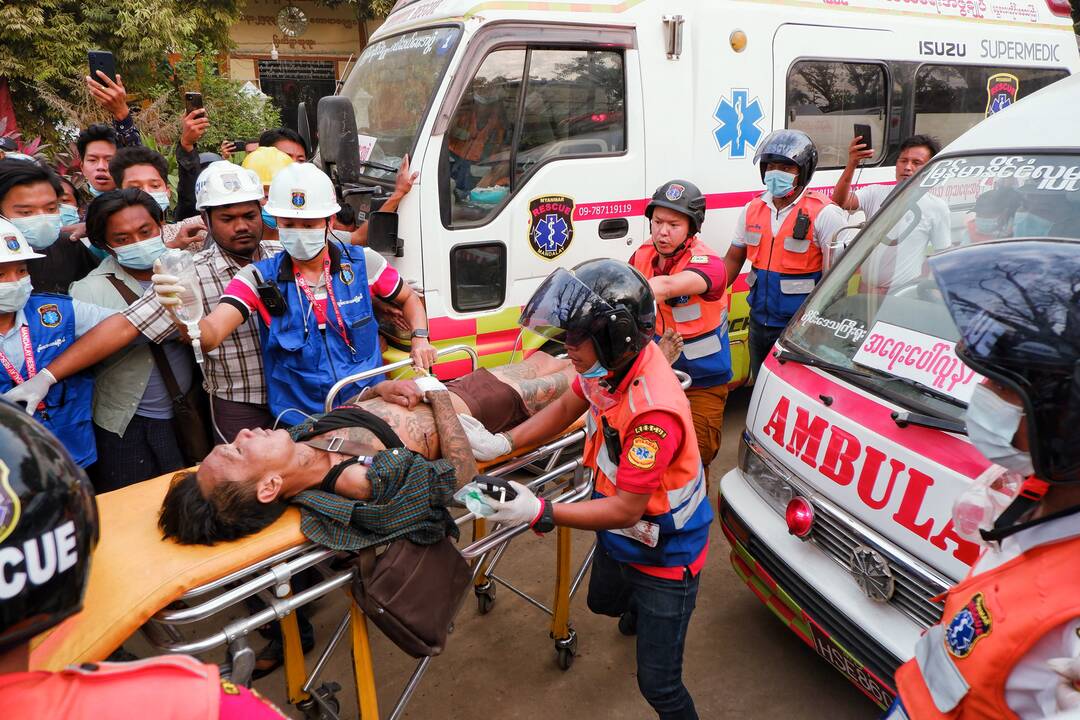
(365, 9)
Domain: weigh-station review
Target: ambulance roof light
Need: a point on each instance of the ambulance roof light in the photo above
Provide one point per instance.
(1059, 7)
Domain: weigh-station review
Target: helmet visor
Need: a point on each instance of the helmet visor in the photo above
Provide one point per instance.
(563, 308)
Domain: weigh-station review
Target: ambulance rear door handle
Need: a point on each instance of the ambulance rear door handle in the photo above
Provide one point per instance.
(614, 229)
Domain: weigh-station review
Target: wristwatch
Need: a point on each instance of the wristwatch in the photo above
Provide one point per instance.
(546, 522)
(421, 333)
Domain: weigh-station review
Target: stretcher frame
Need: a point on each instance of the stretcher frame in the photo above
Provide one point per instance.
(270, 579)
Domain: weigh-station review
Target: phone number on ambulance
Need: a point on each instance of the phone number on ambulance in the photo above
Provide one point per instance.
(605, 210)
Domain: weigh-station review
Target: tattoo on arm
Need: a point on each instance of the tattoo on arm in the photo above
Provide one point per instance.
(541, 392)
(455, 446)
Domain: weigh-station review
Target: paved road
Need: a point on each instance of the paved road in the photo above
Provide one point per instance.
(740, 662)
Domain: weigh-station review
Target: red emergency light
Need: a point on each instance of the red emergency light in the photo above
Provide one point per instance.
(800, 517)
(1059, 7)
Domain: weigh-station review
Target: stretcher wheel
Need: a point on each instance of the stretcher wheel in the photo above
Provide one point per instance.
(565, 658)
(313, 710)
(485, 598)
(566, 651)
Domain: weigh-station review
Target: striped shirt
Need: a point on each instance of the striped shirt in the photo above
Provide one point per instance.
(234, 370)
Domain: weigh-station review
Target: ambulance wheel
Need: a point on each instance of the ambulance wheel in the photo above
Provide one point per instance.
(566, 651)
(485, 598)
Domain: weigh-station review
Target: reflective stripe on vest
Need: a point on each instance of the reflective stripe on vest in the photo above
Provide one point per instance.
(686, 313)
(684, 501)
(943, 679)
(702, 347)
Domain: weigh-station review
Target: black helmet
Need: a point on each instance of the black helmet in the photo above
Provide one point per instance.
(205, 158)
(681, 196)
(1016, 304)
(606, 301)
(48, 528)
(788, 146)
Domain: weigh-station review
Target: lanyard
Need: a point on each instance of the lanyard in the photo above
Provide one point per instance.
(28, 354)
(330, 300)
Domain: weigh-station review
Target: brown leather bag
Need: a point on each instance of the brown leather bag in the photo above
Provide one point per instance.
(190, 409)
(412, 592)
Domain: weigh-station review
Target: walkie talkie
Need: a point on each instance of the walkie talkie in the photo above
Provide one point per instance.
(802, 226)
(270, 295)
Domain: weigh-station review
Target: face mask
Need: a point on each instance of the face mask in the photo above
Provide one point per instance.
(991, 424)
(987, 226)
(94, 250)
(342, 235)
(596, 394)
(161, 198)
(596, 371)
(779, 183)
(1028, 224)
(140, 255)
(94, 192)
(69, 214)
(269, 220)
(302, 244)
(40, 231)
(977, 507)
(13, 295)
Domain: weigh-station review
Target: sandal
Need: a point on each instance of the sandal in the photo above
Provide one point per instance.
(272, 656)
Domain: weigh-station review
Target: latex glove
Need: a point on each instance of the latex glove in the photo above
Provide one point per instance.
(428, 383)
(485, 445)
(525, 508)
(167, 288)
(33, 391)
(1067, 691)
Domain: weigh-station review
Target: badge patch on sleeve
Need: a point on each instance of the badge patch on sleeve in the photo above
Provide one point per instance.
(50, 315)
(642, 452)
(699, 259)
(968, 626)
(347, 274)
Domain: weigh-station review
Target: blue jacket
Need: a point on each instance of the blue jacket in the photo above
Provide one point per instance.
(301, 362)
(70, 403)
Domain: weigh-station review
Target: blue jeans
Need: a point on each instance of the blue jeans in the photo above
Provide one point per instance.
(663, 609)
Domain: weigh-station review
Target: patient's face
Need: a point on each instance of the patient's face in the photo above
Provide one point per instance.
(253, 455)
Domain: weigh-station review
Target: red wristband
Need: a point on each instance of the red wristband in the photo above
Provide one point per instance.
(540, 514)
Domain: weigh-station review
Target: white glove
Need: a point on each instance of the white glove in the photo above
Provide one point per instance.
(1067, 692)
(167, 289)
(524, 508)
(485, 446)
(428, 383)
(33, 391)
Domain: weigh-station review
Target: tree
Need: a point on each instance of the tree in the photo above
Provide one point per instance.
(363, 9)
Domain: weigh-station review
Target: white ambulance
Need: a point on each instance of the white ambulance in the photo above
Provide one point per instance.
(840, 511)
(541, 128)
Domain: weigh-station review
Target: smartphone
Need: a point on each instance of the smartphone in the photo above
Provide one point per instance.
(863, 131)
(104, 61)
(240, 145)
(192, 101)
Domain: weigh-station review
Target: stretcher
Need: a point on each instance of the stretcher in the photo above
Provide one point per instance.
(139, 581)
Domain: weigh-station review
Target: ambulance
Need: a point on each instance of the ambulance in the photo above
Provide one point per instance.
(840, 512)
(540, 129)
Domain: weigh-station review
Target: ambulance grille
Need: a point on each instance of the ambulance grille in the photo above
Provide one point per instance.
(914, 591)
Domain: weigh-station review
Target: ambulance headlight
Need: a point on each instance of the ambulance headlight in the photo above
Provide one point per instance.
(765, 475)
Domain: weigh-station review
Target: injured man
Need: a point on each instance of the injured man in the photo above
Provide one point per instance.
(242, 487)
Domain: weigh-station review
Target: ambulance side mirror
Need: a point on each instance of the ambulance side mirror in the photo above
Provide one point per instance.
(303, 127)
(338, 145)
(382, 234)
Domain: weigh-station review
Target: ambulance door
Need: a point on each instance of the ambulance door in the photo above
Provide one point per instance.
(540, 164)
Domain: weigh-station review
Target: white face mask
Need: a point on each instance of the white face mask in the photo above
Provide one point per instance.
(13, 295)
(991, 424)
(161, 197)
(40, 231)
(342, 236)
(302, 244)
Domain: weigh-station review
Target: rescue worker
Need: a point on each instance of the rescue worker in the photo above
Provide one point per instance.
(653, 528)
(689, 283)
(1008, 644)
(782, 233)
(313, 300)
(35, 328)
(47, 510)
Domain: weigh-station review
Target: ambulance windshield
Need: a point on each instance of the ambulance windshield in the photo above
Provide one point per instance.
(879, 311)
(391, 88)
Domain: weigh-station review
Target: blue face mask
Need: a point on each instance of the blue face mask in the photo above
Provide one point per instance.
(1025, 224)
(140, 255)
(269, 220)
(40, 231)
(94, 192)
(779, 183)
(596, 371)
(162, 199)
(69, 214)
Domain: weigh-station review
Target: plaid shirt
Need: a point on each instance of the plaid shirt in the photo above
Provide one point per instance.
(233, 370)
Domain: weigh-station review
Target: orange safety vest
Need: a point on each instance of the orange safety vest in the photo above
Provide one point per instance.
(675, 526)
(472, 147)
(789, 256)
(173, 687)
(991, 620)
(696, 316)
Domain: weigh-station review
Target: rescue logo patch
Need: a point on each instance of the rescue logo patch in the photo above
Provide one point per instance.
(50, 315)
(699, 259)
(968, 626)
(298, 200)
(10, 509)
(1001, 92)
(642, 453)
(230, 182)
(551, 225)
(11, 243)
(674, 191)
(347, 274)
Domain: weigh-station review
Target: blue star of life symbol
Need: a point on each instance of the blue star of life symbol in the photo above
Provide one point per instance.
(551, 232)
(739, 120)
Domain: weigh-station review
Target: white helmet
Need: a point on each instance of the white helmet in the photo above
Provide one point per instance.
(301, 190)
(13, 246)
(224, 183)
